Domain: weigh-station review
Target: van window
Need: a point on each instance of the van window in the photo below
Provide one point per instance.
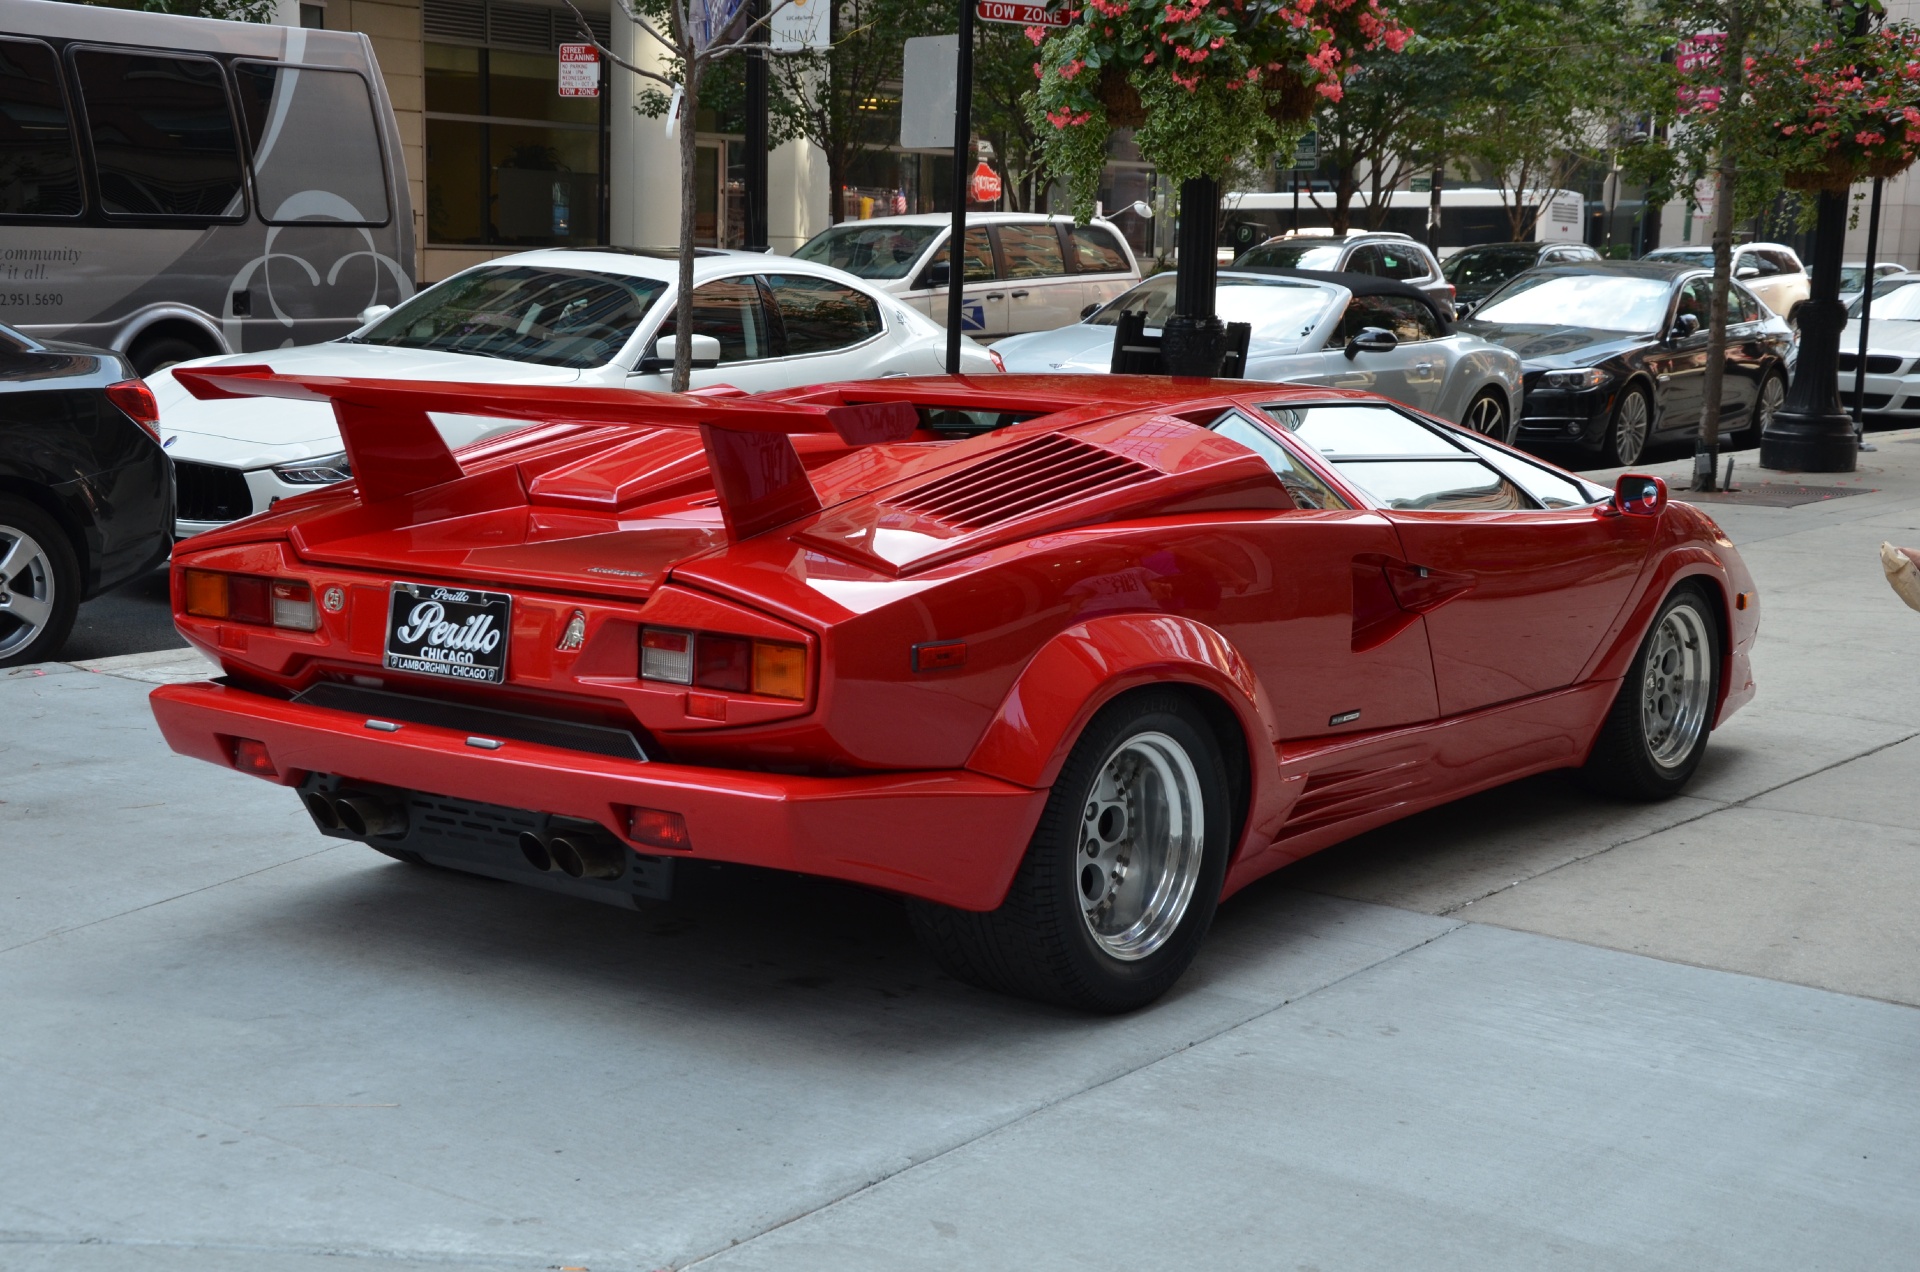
(316, 149)
(39, 173)
(980, 267)
(1032, 251)
(1095, 251)
(162, 135)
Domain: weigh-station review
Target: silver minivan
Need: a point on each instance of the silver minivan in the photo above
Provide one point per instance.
(1025, 271)
(176, 187)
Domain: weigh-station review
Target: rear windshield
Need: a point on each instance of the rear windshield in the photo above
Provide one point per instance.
(556, 318)
(1482, 266)
(1308, 255)
(869, 251)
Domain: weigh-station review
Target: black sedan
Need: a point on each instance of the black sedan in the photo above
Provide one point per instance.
(86, 492)
(1614, 355)
(1477, 272)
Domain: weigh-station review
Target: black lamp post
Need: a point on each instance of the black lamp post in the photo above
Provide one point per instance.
(1811, 433)
(1194, 341)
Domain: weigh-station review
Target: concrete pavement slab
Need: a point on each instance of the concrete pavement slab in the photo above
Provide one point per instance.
(1490, 1100)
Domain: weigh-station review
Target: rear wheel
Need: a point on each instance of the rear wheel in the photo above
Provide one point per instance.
(1773, 396)
(1657, 729)
(1122, 875)
(39, 583)
(1627, 431)
(161, 352)
(1487, 415)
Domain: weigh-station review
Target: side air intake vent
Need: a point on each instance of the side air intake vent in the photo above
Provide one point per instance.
(1043, 473)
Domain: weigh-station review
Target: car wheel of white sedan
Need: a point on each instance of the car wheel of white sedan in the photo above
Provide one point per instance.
(1487, 416)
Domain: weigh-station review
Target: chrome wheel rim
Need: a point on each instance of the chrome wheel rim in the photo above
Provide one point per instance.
(1630, 429)
(1141, 843)
(1488, 418)
(26, 590)
(1773, 396)
(1677, 684)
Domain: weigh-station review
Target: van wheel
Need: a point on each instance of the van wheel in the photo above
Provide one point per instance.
(39, 584)
(162, 352)
(1122, 875)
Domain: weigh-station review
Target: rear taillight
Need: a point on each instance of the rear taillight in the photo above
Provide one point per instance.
(728, 664)
(135, 401)
(248, 598)
(658, 828)
(250, 756)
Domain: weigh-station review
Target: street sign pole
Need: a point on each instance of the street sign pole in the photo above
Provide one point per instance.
(755, 238)
(962, 148)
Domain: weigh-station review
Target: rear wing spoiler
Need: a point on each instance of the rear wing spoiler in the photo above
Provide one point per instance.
(395, 449)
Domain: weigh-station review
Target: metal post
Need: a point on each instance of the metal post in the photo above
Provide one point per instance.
(1434, 208)
(1866, 315)
(1194, 342)
(756, 142)
(962, 151)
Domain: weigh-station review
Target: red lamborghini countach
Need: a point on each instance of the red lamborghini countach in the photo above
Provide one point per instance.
(1061, 661)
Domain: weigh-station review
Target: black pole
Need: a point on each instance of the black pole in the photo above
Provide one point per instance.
(1866, 316)
(962, 151)
(756, 142)
(1194, 342)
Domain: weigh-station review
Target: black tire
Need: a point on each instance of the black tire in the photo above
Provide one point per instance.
(1625, 761)
(40, 592)
(1749, 434)
(1625, 445)
(161, 352)
(1489, 416)
(1040, 944)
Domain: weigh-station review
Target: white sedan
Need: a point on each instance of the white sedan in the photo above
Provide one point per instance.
(587, 317)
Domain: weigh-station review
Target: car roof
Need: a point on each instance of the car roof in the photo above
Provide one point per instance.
(663, 264)
(973, 218)
(1646, 267)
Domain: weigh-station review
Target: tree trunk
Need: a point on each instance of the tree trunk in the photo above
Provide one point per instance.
(1706, 447)
(689, 209)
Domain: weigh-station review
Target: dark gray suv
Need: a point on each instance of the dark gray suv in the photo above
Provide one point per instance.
(1377, 252)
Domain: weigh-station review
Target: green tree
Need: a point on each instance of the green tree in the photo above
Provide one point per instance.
(1003, 79)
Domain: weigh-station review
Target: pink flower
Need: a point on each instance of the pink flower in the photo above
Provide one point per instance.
(1072, 68)
(1036, 34)
(1330, 89)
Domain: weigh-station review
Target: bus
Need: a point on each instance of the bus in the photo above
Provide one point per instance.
(1468, 216)
(175, 187)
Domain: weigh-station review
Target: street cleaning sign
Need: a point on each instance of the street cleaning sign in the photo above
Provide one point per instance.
(579, 70)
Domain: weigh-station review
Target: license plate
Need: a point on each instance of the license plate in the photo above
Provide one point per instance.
(459, 632)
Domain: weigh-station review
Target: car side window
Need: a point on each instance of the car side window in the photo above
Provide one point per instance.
(1096, 252)
(1696, 298)
(1763, 264)
(1032, 251)
(1398, 461)
(39, 171)
(729, 310)
(1365, 260)
(1782, 262)
(820, 315)
(1300, 481)
(163, 136)
(1744, 305)
(1549, 488)
(980, 266)
(1401, 263)
(1406, 318)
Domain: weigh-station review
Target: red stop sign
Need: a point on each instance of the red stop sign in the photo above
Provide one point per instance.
(986, 184)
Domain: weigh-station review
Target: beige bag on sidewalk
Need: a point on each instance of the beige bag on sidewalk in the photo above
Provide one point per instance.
(1903, 571)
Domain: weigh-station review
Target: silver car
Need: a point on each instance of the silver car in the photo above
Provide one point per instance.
(1381, 253)
(1345, 331)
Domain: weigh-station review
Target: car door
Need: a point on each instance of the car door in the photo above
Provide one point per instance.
(1763, 276)
(1679, 363)
(1041, 295)
(1517, 576)
(1101, 265)
(828, 331)
(731, 311)
(984, 297)
(1746, 357)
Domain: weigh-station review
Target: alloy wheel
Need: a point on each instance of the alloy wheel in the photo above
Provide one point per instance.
(1142, 845)
(1676, 686)
(1488, 417)
(26, 590)
(1773, 396)
(1630, 427)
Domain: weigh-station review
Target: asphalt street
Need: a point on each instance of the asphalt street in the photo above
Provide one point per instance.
(1531, 1029)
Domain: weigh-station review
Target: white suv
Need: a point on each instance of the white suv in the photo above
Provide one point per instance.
(1379, 253)
(1771, 271)
(1025, 271)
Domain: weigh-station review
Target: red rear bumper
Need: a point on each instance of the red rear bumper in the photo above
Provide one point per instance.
(949, 836)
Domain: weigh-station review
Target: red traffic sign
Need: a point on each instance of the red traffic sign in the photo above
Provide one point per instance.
(1020, 14)
(986, 184)
(579, 70)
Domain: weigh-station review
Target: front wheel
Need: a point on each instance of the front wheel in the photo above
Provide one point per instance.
(1627, 432)
(1487, 415)
(1657, 729)
(1122, 875)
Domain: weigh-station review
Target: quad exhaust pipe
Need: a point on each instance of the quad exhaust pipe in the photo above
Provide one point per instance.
(578, 853)
(358, 813)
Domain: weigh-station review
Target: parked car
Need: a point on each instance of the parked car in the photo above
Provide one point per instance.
(1476, 272)
(1025, 271)
(562, 316)
(1349, 331)
(1063, 685)
(1853, 278)
(1892, 383)
(1616, 355)
(176, 188)
(1772, 271)
(86, 501)
(1375, 252)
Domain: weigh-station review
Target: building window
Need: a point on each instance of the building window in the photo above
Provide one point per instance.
(510, 163)
(313, 17)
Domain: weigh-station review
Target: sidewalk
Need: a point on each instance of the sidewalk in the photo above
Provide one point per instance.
(1532, 1029)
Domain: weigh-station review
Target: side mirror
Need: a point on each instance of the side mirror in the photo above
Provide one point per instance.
(374, 313)
(1372, 340)
(1638, 495)
(706, 355)
(939, 274)
(1747, 271)
(1685, 327)
(1090, 311)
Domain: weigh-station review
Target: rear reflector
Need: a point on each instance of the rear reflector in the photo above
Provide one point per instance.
(250, 756)
(723, 662)
(658, 828)
(939, 655)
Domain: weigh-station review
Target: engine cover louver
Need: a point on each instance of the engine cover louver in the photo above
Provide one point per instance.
(1043, 473)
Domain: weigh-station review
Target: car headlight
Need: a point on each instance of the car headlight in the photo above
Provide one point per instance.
(1585, 378)
(322, 471)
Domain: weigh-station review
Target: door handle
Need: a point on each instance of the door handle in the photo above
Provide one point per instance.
(1664, 377)
(1020, 295)
(996, 295)
(1423, 367)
